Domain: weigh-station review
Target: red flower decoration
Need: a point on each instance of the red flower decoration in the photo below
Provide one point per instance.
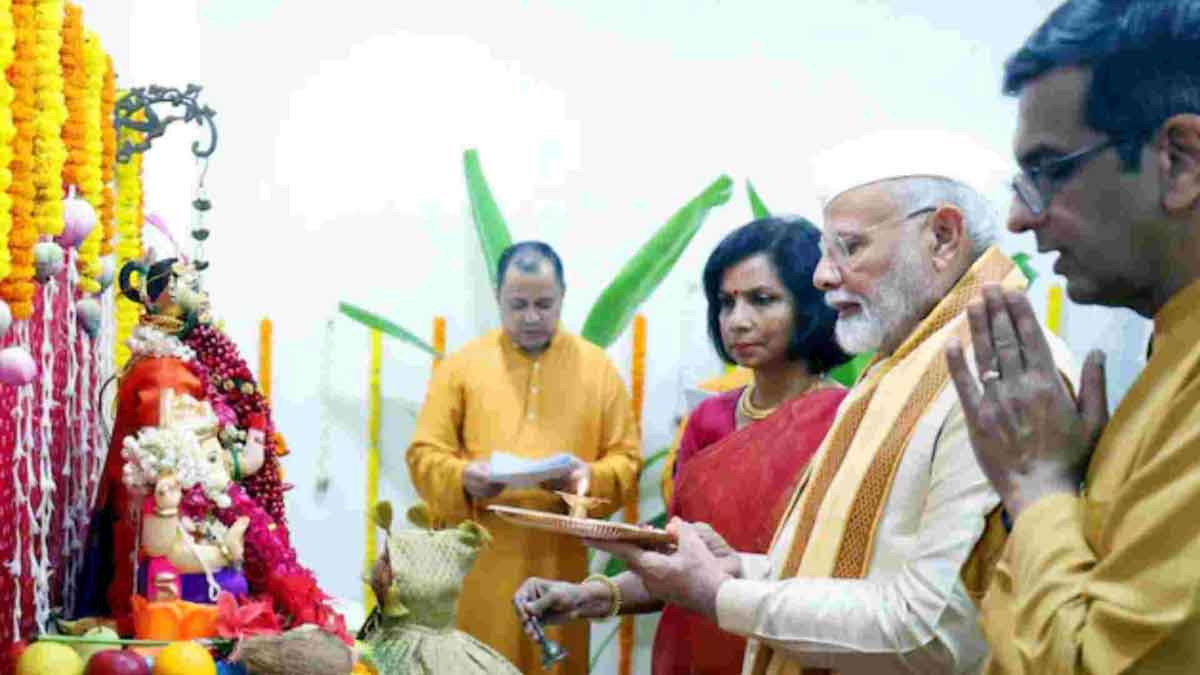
(250, 618)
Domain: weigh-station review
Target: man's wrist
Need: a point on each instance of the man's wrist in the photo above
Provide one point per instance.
(1033, 489)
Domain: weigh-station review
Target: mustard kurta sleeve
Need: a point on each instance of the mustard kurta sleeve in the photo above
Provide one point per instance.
(435, 456)
(1132, 602)
(619, 461)
(666, 482)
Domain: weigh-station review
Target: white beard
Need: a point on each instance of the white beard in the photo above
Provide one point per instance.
(897, 299)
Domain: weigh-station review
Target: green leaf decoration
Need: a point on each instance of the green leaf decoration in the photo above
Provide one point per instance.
(1022, 261)
(757, 207)
(489, 223)
(636, 281)
(603, 645)
(371, 320)
(847, 373)
(657, 457)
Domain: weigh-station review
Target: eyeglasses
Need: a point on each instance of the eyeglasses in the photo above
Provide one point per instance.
(1037, 184)
(842, 253)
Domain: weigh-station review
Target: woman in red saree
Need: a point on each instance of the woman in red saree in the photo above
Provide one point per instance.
(743, 451)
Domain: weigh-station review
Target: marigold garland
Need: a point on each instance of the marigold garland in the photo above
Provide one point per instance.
(74, 81)
(264, 357)
(129, 245)
(108, 136)
(638, 396)
(17, 289)
(91, 183)
(49, 151)
(7, 132)
(439, 339)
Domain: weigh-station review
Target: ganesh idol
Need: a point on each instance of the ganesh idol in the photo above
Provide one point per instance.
(190, 501)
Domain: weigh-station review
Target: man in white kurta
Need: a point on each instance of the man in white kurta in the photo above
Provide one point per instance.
(888, 545)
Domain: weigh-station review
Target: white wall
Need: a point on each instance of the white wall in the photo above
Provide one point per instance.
(338, 173)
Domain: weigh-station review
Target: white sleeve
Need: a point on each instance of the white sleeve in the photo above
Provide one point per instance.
(917, 620)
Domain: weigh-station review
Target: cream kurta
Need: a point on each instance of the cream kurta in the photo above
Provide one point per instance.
(490, 397)
(912, 612)
(1109, 582)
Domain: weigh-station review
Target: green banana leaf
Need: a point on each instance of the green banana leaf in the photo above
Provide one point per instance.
(847, 373)
(616, 306)
(658, 456)
(757, 207)
(1022, 261)
(371, 320)
(489, 223)
(599, 649)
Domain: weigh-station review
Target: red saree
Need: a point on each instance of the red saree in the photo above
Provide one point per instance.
(739, 482)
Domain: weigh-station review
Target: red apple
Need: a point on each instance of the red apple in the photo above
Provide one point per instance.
(116, 662)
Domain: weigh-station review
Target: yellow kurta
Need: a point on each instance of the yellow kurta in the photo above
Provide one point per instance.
(490, 396)
(1109, 582)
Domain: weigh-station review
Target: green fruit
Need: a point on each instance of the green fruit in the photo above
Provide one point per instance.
(49, 658)
(85, 650)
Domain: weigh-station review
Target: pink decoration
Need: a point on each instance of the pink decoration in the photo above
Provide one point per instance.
(89, 314)
(245, 619)
(79, 219)
(159, 224)
(17, 367)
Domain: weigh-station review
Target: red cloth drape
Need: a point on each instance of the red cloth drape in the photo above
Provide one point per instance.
(739, 482)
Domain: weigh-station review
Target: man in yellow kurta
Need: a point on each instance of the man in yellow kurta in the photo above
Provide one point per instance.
(1101, 573)
(531, 390)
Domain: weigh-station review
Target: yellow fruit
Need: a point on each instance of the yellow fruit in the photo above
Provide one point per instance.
(49, 658)
(184, 658)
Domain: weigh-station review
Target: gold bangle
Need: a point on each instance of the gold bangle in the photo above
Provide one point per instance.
(613, 589)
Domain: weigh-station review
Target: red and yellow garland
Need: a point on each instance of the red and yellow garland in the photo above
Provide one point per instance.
(17, 289)
(264, 358)
(91, 183)
(638, 394)
(49, 151)
(7, 132)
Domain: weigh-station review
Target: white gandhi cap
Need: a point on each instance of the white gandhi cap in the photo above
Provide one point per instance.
(901, 153)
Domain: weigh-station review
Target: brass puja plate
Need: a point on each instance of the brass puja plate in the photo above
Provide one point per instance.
(585, 528)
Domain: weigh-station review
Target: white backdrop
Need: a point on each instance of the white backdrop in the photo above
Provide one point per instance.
(338, 173)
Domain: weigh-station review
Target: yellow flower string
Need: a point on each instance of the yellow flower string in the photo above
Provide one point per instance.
(49, 152)
(374, 411)
(74, 80)
(7, 132)
(108, 136)
(264, 358)
(129, 245)
(17, 289)
(638, 396)
(91, 182)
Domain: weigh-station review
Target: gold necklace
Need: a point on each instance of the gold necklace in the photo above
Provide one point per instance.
(748, 410)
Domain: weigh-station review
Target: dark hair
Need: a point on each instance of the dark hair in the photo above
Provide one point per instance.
(156, 278)
(793, 247)
(537, 250)
(1144, 56)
